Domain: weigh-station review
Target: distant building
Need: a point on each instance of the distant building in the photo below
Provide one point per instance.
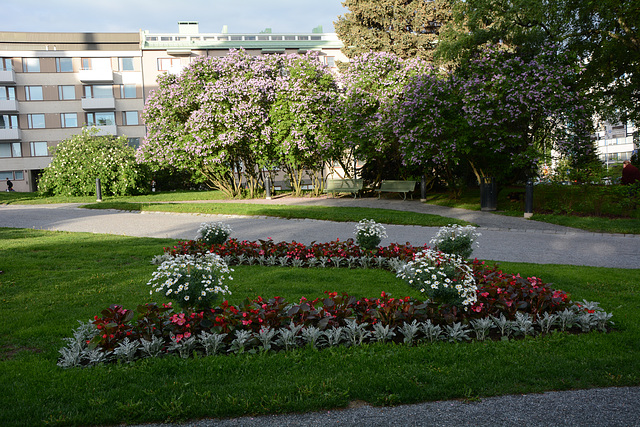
(615, 142)
(53, 84)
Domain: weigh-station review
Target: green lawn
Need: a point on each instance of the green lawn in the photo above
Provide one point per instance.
(52, 279)
(327, 213)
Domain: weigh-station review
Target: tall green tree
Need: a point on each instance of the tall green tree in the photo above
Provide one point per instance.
(407, 28)
(602, 35)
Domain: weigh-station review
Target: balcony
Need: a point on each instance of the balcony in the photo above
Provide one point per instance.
(8, 105)
(7, 77)
(98, 103)
(10, 134)
(106, 130)
(104, 75)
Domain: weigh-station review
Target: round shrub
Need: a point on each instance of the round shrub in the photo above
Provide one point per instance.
(444, 278)
(193, 281)
(369, 234)
(214, 233)
(79, 160)
(456, 239)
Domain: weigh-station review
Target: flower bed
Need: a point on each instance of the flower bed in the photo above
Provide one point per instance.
(332, 254)
(506, 306)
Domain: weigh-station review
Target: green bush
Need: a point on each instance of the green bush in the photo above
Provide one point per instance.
(79, 160)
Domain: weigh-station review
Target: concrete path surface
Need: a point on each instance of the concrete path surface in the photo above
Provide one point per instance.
(503, 239)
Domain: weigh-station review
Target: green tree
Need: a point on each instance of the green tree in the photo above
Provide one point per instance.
(602, 35)
(79, 160)
(407, 28)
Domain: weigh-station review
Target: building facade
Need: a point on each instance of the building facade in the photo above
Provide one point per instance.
(54, 84)
(615, 142)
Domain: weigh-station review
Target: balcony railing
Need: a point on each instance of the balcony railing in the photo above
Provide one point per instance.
(98, 76)
(7, 77)
(8, 105)
(10, 134)
(98, 103)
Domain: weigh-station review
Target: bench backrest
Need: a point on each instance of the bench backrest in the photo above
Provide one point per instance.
(347, 183)
(399, 186)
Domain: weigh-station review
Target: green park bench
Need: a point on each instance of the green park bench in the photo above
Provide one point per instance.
(390, 186)
(346, 185)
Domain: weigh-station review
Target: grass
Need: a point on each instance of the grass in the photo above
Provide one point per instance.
(53, 279)
(327, 213)
(172, 196)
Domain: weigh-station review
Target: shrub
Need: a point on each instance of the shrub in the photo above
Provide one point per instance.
(193, 281)
(214, 233)
(79, 160)
(456, 239)
(369, 234)
(444, 278)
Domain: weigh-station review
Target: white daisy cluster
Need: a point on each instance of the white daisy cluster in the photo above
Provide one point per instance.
(214, 232)
(456, 239)
(192, 280)
(370, 228)
(441, 276)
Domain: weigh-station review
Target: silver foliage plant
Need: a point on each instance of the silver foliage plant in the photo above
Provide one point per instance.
(587, 316)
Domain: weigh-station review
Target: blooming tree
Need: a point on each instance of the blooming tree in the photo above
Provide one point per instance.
(373, 86)
(80, 159)
(210, 119)
(231, 118)
(300, 118)
(499, 113)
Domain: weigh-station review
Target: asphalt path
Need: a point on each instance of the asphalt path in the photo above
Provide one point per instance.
(503, 239)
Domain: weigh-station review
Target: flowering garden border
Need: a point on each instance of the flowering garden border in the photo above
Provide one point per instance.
(507, 306)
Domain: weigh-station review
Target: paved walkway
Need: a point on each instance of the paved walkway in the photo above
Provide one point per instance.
(503, 239)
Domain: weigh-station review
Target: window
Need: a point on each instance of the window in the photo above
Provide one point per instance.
(66, 92)
(31, 65)
(7, 93)
(166, 64)
(38, 149)
(128, 91)
(330, 61)
(12, 175)
(36, 121)
(8, 122)
(11, 149)
(64, 65)
(33, 93)
(69, 120)
(6, 64)
(130, 118)
(101, 119)
(126, 64)
(133, 142)
(98, 91)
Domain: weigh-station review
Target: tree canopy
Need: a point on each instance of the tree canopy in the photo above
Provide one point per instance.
(407, 28)
(602, 35)
(231, 119)
(79, 160)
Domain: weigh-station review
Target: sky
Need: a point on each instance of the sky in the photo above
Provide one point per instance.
(162, 16)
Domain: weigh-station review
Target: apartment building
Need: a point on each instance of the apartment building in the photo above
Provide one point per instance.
(615, 142)
(54, 84)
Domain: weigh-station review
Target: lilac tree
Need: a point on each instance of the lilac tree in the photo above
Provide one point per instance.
(499, 114)
(300, 118)
(373, 85)
(231, 118)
